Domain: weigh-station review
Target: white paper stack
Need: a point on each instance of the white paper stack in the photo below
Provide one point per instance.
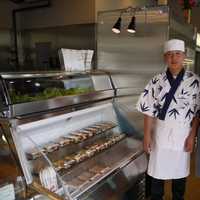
(75, 60)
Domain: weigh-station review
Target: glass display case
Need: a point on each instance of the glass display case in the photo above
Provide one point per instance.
(27, 89)
(41, 92)
(65, 134)
(12, 181)
(12, 184)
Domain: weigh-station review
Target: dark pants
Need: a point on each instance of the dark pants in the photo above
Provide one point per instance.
(178, 189)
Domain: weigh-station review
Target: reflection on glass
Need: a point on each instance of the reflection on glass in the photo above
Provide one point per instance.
(27, 90)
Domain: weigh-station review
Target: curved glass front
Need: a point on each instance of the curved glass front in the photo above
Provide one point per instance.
(26, 89)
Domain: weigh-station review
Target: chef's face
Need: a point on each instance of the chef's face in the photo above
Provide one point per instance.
(174, 60)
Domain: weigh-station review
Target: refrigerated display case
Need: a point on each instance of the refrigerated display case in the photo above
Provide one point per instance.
(64, 132)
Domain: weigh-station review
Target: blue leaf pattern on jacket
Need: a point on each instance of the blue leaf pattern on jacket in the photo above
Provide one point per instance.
(189, 114)
(185, 103)
(145, 92)
(174, 113)
(143, 107)
(155, 80)
(195, 84)
(194, 96)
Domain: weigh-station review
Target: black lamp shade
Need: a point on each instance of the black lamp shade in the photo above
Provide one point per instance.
(117, 27)
(132, 27)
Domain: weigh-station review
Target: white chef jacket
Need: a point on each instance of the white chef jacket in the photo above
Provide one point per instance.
(168, 159)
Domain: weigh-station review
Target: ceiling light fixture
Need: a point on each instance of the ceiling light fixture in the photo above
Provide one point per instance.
(132, 27)
(117, 26)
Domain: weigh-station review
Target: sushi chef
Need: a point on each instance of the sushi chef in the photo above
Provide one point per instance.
(170, 104)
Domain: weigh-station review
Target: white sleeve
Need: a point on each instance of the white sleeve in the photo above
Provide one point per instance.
(197, 104)
(147, 101)
(195, 100)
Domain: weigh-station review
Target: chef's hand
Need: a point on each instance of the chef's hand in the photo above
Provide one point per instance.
(147, 144)
(189, 143)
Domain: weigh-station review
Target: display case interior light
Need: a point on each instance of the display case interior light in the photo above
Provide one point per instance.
(27, 75)
(28, 81)
(37, 84)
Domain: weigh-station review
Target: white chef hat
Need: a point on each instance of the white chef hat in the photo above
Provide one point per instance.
(174, 45)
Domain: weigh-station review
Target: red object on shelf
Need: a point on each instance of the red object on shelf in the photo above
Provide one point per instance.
(187, 4)
(187, 15)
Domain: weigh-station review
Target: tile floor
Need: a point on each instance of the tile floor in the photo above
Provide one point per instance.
(192, 188)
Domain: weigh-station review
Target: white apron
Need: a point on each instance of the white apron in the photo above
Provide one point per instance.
(168, 159)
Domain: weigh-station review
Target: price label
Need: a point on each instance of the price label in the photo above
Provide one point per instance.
(7, 192)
